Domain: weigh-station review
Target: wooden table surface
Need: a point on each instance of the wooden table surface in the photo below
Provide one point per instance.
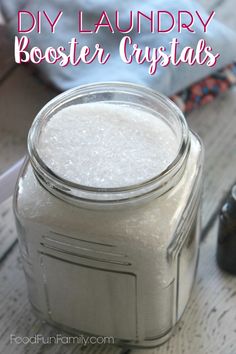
(209, 323)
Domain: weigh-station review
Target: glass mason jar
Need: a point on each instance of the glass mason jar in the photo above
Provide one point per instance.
(116, 262)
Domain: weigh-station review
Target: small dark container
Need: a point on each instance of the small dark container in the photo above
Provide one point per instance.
(226, 245)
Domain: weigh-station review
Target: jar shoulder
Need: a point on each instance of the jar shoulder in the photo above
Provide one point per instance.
(34, 203)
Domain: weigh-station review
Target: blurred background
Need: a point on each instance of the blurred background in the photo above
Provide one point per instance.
(208, 325)
(22, 94)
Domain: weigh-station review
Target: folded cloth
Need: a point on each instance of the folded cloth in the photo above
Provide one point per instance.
(168, 80)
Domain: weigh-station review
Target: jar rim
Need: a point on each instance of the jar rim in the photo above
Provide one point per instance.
(58, 185)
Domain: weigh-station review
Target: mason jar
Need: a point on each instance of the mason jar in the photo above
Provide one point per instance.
(116, 262)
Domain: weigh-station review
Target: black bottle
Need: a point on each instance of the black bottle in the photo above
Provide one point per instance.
(226, 245)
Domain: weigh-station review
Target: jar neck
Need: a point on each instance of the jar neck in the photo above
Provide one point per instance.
(118, 92)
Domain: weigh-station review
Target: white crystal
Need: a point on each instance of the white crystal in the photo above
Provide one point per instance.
(107, 145)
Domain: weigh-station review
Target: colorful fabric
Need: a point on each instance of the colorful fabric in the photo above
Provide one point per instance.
(206, 90)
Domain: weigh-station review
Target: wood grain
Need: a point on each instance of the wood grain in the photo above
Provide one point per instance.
(208, 326)
(7, 228)
(216, 125)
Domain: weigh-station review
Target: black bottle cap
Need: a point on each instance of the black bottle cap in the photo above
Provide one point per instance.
(226, 244)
